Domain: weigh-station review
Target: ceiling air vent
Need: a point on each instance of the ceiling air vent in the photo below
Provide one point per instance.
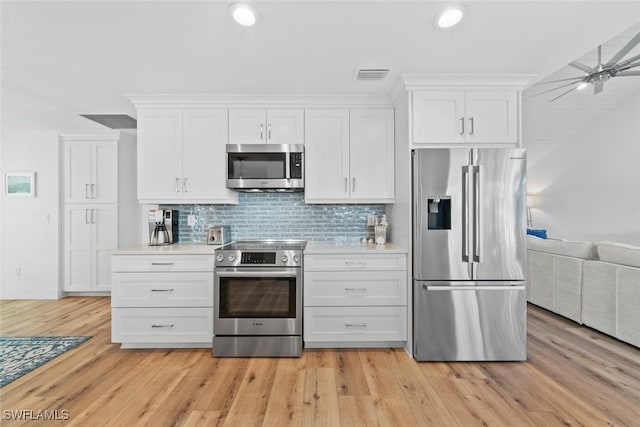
(371, 74)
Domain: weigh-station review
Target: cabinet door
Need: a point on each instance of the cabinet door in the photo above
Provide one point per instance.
(104, 185)
(105, 240)
(438, 117)
(326, 156)
(203, 156)
(247, 126)
(77, 171)
(492, 116)
(77, 248)
(372, 155)
(285, 126)
(160, 155)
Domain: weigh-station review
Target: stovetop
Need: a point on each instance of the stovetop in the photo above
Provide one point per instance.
(274, 245)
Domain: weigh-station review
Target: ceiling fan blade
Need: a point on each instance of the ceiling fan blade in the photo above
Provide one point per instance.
(563, 94)
(628, 73)
(618, 56)
(626, 67)
(626, 61)
(582, 67)
(556, 81)
(598, 85)
(551, 90)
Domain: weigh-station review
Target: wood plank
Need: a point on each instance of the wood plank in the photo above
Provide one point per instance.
(357, 411)
(380, 378)
(350, 377)
(320, 398)
(285, 404)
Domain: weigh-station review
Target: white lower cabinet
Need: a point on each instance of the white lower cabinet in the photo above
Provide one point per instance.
(162, 300)
(355, 300)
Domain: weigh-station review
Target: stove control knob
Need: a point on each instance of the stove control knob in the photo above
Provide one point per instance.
(231, 258)
(296, 259)
(284, 259)
(220, 258)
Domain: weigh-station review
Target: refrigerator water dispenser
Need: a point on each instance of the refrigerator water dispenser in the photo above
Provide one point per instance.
(439, 213)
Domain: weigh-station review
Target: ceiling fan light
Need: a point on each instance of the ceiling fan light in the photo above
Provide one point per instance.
(582, 85)
(243, 14)
(450, 17)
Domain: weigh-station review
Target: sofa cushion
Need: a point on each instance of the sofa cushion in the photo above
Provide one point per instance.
(619, 253)
(584, 250)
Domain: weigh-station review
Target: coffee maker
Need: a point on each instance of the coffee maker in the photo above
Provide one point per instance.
(163, 227)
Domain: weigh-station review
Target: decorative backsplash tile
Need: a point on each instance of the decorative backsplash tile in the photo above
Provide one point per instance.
(277, 216)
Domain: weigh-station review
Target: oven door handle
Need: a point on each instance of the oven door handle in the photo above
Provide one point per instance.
(257, 273)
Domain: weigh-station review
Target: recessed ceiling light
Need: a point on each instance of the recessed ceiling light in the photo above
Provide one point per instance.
(450, 17)
(243, 14)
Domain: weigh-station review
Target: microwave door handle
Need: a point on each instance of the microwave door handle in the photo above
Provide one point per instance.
(287, 166)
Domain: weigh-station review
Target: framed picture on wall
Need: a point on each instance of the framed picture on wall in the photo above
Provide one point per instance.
(20, 184)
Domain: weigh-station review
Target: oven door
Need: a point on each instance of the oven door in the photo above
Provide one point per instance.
(258, 301)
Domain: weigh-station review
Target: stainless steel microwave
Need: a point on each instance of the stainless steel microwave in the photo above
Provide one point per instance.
(265, 167)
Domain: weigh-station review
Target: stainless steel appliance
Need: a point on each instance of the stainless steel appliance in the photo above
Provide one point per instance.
(258, 299)
(163, 227)
(469, 254)
(265, 167)
(219, 235)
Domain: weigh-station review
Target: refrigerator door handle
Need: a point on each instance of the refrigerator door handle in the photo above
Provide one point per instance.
(473, 288)
(477, 232)
(465, 213)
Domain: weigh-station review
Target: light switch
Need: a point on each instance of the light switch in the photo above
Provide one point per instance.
(191, 220)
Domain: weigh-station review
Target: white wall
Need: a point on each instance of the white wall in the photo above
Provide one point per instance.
(30, 227)
(588, 186)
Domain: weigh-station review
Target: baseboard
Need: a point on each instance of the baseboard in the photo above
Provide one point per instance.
(30, 294)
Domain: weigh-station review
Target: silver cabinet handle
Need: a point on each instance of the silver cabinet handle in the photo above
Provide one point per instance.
(162, 326)
(346, 184)
(353, 184)
(269, 130)
(355, 325)
(93, 191)
(93, 221)
(86, 216)
(86, 191)
(161, 263)
(355, 263)
(184, 185)
(355, 289)
(177, 185)
(161, 290)
(471, 123)
(462, 125)
(261, 131)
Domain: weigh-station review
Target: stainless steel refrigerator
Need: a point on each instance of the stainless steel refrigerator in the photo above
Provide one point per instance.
(469, 254)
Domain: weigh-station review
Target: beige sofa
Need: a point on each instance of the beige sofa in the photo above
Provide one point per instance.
(594, 284)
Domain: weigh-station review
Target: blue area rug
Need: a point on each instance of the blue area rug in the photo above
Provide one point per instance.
(19, 355)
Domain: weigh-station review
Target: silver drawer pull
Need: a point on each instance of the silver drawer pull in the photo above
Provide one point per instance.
(161, 290)
(355, 263)
(162, 326)
(355, 325)
(161, 263)
(355, 289)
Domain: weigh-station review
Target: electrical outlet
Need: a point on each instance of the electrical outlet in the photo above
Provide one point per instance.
(371, 220)
(191, 220)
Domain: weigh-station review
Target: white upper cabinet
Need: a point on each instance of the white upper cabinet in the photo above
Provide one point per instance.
(181, 156)
(258, 126)
(372, 155)
(349, 156)
(465, 116)
(91, 170)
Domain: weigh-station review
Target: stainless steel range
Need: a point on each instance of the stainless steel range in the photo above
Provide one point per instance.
(258, 299)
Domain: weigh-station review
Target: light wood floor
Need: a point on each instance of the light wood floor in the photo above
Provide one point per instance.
(574, 376)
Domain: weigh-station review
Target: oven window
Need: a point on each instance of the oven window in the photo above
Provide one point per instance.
(251, 297)
(257, 165)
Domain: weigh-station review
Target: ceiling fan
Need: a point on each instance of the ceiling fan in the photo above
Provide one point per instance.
(601, 72)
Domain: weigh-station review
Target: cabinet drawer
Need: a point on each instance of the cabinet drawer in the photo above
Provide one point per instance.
(335, 324)
(355, 262)
(162, 325)
(328, 288)
(124, 263)
(173, 289)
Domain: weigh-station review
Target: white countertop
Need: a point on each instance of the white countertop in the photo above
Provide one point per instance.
(312, 248)
(339, 248)
(175, 249)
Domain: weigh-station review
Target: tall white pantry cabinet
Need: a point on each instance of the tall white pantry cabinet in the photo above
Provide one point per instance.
(100, 206)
